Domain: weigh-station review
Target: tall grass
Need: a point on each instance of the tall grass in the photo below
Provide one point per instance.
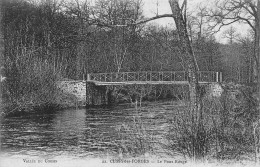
(223, 131)
(31, 81)
(188, 137)
(135, 140)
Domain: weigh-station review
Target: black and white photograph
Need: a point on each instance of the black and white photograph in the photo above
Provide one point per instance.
(129, 83)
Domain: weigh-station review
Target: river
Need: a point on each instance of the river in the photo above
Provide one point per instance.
(91, 132)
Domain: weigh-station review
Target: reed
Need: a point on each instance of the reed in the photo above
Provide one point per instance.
(135, 140)
(31, 82)
(223, 131)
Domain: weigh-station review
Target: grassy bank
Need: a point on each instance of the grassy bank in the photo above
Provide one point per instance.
(53, 101)
(31, 87)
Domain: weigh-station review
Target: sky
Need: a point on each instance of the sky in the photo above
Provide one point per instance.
(150, 9)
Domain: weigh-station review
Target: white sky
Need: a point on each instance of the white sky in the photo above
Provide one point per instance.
(150, 9)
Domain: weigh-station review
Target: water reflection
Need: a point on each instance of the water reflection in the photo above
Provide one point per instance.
(79, 133)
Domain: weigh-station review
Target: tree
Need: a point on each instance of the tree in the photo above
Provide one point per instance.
(246, 11)
(257, 44)
(197, 23)
(162, 49)
(248, 52)
(231, 34)
(188, 54)
(189, 61)
(179, 16)
(81, 11)
(112, 14)
(203, 42)
(1, 53)
(191, 66)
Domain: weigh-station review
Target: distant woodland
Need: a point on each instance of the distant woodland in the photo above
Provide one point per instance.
(75, 38)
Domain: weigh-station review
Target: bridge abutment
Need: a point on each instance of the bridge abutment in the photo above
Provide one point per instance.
(97, 95)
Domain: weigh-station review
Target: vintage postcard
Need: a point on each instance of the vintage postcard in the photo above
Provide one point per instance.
(129, 83)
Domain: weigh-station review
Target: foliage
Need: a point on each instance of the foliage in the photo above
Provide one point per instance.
(224, 130)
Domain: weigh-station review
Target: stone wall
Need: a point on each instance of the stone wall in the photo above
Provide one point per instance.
(71, 93)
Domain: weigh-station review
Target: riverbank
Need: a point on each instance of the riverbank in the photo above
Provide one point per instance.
(62, 95)
(63, 101)
(72, 94)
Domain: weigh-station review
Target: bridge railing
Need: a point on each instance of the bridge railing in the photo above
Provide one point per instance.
(203, 76)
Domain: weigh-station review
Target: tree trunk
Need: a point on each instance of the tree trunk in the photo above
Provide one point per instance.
(257, 27)
(1, 50)
(187, 52)
(197, 127)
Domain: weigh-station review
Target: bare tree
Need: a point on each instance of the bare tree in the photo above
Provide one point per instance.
(197, 23)
(257, 45)
(231, 34)
(247, 11)
(201, 37)
(188, 55)
(118, 16)
(1, 53)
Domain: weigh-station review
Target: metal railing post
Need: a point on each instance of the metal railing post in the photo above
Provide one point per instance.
(217, 75)
(163, 73)
(88, 77)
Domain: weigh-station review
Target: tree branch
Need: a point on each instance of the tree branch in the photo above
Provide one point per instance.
(222, 25)
(97, 22)
(249, 11)
(153, 18)
(248, 22)
(253, 9)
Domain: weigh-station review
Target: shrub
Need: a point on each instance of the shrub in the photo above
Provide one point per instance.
(222, 131)
(134, 138)
(31, 82)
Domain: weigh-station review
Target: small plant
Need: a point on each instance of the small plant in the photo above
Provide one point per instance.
(135, 140)
(189, 136)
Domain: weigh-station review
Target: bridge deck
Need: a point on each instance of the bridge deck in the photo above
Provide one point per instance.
(165, 77)
(145, 82)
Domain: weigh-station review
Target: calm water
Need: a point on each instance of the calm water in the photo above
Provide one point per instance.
(79, 132)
